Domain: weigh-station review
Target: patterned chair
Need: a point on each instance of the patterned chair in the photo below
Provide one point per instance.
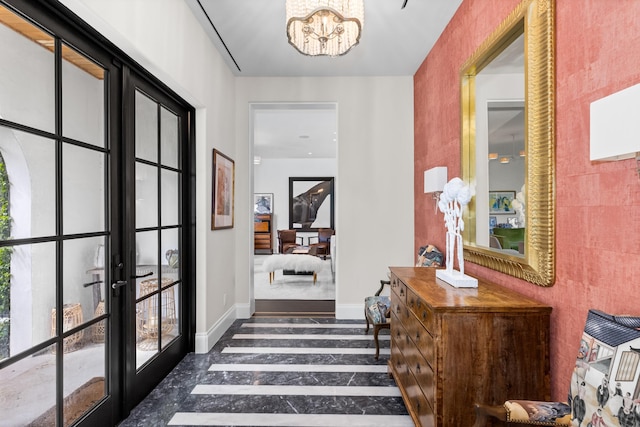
(605, 386)
(377, 313)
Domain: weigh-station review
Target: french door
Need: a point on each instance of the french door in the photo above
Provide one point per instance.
(154, 231)
(96, 224)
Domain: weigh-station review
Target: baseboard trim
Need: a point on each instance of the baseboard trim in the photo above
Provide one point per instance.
(206, 340)
(295, 306)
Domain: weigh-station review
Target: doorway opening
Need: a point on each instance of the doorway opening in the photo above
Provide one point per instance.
(291, 140)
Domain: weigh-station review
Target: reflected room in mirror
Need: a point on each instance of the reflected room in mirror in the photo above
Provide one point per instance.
(508, 146)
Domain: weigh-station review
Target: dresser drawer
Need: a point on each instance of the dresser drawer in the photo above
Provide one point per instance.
(399, 365)
(399, 289)
(419, 404)
(422, 340)
(422, 311)
(400, 311)
(399, 337)
(398, 345)
(262, 243)
(423, 374)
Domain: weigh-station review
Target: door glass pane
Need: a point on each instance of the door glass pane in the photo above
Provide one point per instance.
(169, 298)
(147, 254)
(32, 296)
(170, 183)
(83, 190)
(28, 390)
(84, 374)
(146, 128)
(83, 276)
(146, 295)
(30, 167)
(148, 324)
(146, 195)
(169, 138)
(27, 73)
(170, 249)
(82, 98)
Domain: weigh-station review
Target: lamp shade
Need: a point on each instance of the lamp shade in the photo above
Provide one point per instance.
(435, 179)
(615, 125)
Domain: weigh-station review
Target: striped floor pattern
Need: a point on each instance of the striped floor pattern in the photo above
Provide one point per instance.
(280, 372)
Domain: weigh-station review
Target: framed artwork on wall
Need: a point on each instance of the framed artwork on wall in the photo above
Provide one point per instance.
(493, 222)
(501, 202)
(263, 203)
(222, 203)
(311, 203)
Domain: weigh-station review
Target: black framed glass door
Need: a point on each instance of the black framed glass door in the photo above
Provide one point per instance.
(157, 128)
(95, 191)
(58, 236)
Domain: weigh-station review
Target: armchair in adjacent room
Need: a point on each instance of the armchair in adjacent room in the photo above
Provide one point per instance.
(377, 312)
(322, 245)
(288, 239)
(604, 388)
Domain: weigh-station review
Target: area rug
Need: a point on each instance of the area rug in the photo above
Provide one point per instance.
(76, 404)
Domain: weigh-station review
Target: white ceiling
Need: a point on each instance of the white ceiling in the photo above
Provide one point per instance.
(298, 131)
(394, 41)
(251, 37)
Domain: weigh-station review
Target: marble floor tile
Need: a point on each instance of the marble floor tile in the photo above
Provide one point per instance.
(262, 420)
(280, 372)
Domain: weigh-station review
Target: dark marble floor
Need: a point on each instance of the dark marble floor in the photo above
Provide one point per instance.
(280, 372)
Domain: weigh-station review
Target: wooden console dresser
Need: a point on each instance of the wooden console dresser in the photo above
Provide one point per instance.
(262, 234)
(454, 347)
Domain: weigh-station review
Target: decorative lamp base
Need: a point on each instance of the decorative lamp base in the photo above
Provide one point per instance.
(457, 279)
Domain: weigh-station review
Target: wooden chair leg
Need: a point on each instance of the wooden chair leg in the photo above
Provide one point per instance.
(376, 329)
(484, 411)
(366, 331)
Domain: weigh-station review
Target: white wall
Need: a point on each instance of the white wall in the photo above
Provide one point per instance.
(374, 184)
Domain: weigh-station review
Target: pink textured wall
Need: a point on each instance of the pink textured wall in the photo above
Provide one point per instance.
(597, 204)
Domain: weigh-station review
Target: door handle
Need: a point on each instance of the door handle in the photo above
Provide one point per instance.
(142, 275)
(118, 284)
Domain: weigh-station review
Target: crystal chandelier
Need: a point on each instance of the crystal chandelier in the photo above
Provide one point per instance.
(324, 27)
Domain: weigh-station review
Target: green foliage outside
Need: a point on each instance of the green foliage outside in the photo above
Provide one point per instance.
(5, 262)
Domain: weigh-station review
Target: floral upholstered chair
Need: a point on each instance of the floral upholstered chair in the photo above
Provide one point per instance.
(377, 312)
(604, 389)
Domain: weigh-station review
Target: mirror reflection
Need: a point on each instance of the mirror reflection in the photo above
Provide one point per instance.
(500, 151)
(508, 146)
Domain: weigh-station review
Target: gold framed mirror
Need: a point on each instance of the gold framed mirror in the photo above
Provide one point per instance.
(527, 36)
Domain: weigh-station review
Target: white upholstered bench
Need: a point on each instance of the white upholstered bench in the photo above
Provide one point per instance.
(297, 263)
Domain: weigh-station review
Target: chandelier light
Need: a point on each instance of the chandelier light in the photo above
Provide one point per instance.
(324, 27)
